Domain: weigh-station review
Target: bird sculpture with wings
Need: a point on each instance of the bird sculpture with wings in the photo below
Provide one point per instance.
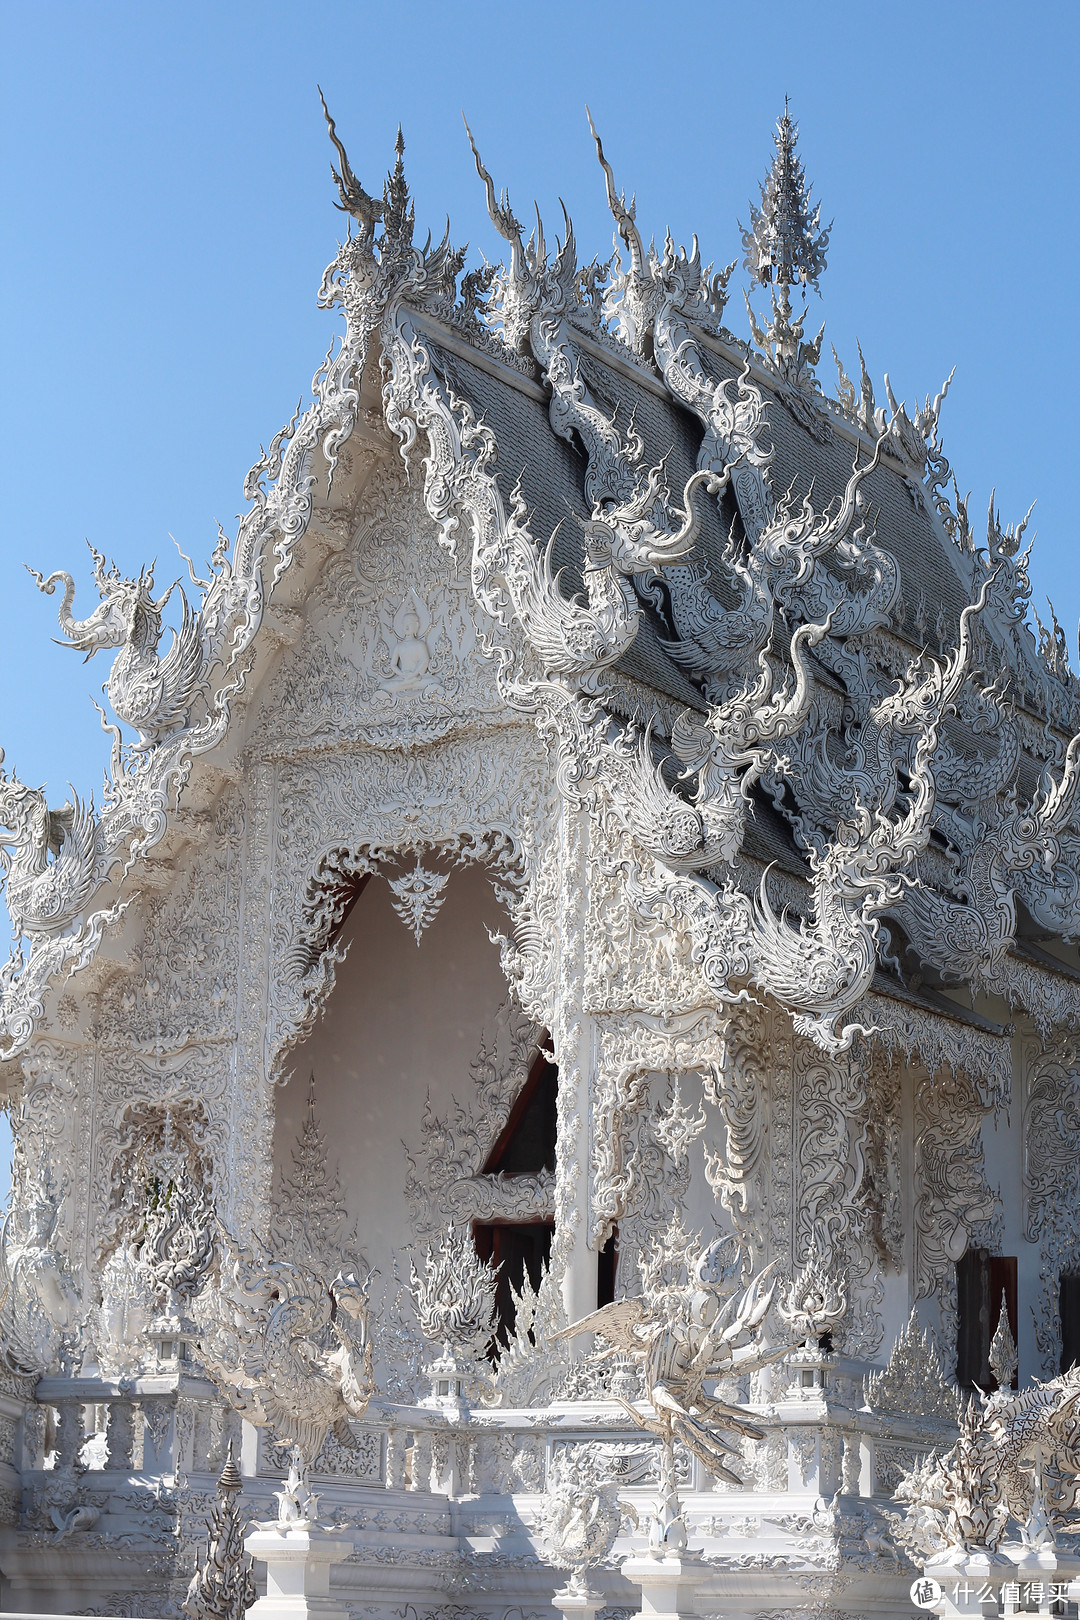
(290, 1351)
(694, 1321)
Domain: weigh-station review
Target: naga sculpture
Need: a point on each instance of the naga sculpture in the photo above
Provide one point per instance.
(149, 691)
(660, 303)
(968, 936)
(1017, 1458)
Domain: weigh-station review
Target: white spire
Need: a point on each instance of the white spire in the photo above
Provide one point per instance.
(785, 242)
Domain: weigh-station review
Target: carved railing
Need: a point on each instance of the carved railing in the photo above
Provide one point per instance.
(820, 1439)
(169, 1426)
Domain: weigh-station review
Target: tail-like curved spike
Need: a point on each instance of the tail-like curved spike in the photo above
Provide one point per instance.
(354, 199)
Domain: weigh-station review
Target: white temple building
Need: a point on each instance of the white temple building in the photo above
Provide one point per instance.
(601, 844)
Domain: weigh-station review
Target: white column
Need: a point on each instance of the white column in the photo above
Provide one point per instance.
(298, 1560)
(574, 1051)
(579, 1279)
(668, 1585)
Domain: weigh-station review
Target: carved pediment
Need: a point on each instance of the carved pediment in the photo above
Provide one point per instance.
(392, 650)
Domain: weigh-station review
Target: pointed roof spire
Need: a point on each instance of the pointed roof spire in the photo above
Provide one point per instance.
(785, 243)
(399, 215)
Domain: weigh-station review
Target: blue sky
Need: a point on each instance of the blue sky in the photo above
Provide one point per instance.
(168, 212)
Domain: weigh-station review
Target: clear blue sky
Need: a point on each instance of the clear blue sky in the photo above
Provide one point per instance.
(167, 214)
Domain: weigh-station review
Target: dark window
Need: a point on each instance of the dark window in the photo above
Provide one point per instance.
(525, 1146)
(526, 1143)
(982, 1279)
(522, 1251)
(1069, 1306)
(606, 1262)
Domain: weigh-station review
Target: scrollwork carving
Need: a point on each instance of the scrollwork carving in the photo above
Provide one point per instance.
(1051, 1178)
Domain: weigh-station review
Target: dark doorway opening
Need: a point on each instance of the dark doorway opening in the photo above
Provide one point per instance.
(1069, 1308)
(526, 1143)
(522, 1250)
(982, 1279)
(607, 1261)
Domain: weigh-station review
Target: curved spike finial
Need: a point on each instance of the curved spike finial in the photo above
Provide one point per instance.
(354, 199)
(623, 213)
(499, 211)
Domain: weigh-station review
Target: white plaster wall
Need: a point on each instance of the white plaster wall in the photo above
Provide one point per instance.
(401, 1021)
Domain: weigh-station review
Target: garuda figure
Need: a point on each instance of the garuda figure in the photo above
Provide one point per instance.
(695, 1320)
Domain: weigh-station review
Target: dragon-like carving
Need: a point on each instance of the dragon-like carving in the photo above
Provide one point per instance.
(819, 967)
(660, 303)
(1017, 1458)
(290, 1351)
(968, 936)
(632, 294)
(50, 857)
(835, 773)
(628, 512)
(149, 691)
(785, 540)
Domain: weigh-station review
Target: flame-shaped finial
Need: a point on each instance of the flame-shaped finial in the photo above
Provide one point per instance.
(785, 242)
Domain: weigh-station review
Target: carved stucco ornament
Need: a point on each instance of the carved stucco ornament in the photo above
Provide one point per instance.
(676, 1127)
(39, 1303)
(693, 1321)
(454, 1294)
(417, 898)
(570, 747)
(579, 1518)
(1003, 1358)
(816, 1303)
(1016, 1458)
(290, 1351)
(913, 1381)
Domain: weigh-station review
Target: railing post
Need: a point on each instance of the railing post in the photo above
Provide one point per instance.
(421, 1460)
(158, 1433)
(69, 1434)
(120, 1435)
(396, 1460)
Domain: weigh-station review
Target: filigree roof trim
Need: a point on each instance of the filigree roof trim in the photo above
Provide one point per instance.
(496, 361)
(941, 1041)
(182, 703)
